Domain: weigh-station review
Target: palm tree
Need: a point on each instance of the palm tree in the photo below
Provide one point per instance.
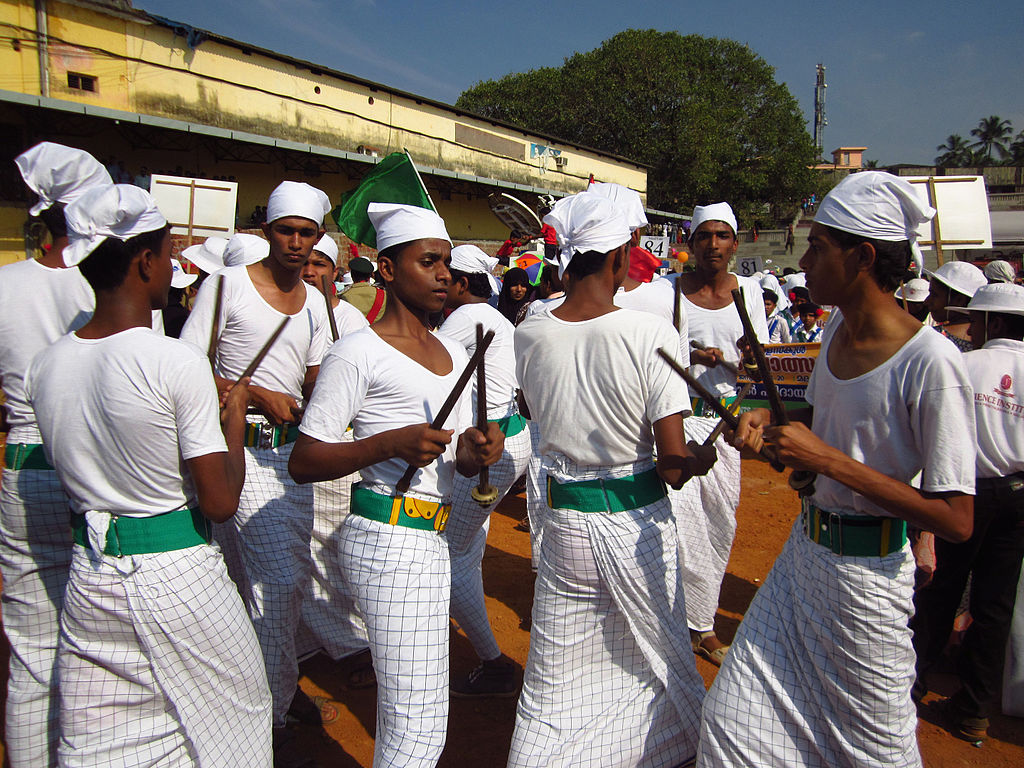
(1017, 150)
(991, 134)
(956, 152)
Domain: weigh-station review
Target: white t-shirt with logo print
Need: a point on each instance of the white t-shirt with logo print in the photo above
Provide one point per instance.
(996, 372)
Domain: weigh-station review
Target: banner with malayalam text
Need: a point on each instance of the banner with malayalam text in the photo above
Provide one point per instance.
(791, 366)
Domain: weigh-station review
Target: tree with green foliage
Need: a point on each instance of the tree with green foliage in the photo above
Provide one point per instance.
(956, 152)
(706, 114)
(1017, 150)
(992, 133)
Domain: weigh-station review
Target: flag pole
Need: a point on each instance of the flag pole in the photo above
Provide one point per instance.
(420, 178)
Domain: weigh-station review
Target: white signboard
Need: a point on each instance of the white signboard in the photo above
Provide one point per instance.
(962, 220)
(656, 245)
(198, 208)
(748, 265)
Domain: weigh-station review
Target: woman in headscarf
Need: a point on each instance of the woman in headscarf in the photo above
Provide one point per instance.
(516, 295)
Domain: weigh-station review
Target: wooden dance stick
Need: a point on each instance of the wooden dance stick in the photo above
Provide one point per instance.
(721, 426)
(730, 367)
(218, 302)
(799, 480)
(730, 419)
(677, 304)
(442, 415)
(484, 493)
(903, 295)
(325, 286)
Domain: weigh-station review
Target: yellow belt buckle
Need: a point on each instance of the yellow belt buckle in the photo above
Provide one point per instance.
(442, 517)
(886, 532)
(396, 511)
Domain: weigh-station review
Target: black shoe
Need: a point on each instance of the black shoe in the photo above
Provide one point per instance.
(492, 679)
(303, 710)
(972, 729)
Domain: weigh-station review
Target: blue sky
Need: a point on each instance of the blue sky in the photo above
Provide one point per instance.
(902, 75)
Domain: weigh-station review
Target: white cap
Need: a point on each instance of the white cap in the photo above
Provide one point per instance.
(586, 222)
(715, 212)
(963, 277)
(1006, 298)
(179, 277)
(770, 282)
(328, 248)
(626, 200)
(207, 256)
(999, 271)
(296, 198)
(396, 224)
(914, 290)
(59, 174)
(473, 261)
(244, 249)
(121, 211)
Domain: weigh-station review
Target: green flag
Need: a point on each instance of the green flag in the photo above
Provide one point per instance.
(393, 180)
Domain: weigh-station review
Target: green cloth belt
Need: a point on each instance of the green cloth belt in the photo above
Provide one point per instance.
(601, 495)
(854, 535)
(702, 409)
(512, 425)
(269, 436)
(404, 511)
(26, 456)
(168, 532)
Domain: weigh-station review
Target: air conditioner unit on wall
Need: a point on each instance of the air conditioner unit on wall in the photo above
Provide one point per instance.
(561, 162)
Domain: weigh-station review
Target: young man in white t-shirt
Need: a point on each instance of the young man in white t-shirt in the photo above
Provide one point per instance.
(820, 671)
(40, 301)
(472, 284)
(158, 660)
(706, 507)
(267, 544)
(610, 679)
(389, 381)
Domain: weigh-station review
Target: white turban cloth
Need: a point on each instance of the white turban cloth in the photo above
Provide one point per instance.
(586, 222)
(714, 212)
(328, 248)
(296, 198)
(1000, 271)
(207, 256)
(59, 174)
(626, 200)
(121, 211)
(244, 249)
(770, 282)
(473, 261)
(396, 224)
(876, 205)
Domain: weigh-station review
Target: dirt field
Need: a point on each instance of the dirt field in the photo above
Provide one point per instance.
(479, 731)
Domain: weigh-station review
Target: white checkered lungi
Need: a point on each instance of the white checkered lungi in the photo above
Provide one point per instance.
(329, 619)
(610, 678)
(267, 549)
(705, 513)
(820, 671)
(159, 665)
(466, 533)
(35, 555)
(401, 579)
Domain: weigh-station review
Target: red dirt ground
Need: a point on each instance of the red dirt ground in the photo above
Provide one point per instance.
(480, 731)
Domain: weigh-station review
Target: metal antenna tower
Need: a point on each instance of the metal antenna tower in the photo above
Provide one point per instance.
(820, 121)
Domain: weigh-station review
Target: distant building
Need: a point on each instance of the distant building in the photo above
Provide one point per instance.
(844, 159)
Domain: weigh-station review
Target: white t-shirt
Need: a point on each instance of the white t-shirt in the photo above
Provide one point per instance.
(367, 383)
(539, 305)
(722, 328)
(778, 328)
(500, 360)
(248, 321)
(38, 305)
(348, 319)
(996, 372)
(120, 415)
(597, 386)
(658, 298)
(913, 412)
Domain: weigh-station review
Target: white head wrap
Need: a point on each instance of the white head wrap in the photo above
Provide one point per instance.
(714, 212)
(876, 205)
(207, 256)
(1005, 298)
(586, 222)
(473, 261)
(915, 290)
(962, 276)
(328, 248)
(59, 174)
(244, 249)
(121, 211)
(396, 224)
(999, 271)
(626, 200)
(296, 198)
(770, 282)
(179, 277)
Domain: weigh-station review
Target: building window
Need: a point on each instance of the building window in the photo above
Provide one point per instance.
(81, 82)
